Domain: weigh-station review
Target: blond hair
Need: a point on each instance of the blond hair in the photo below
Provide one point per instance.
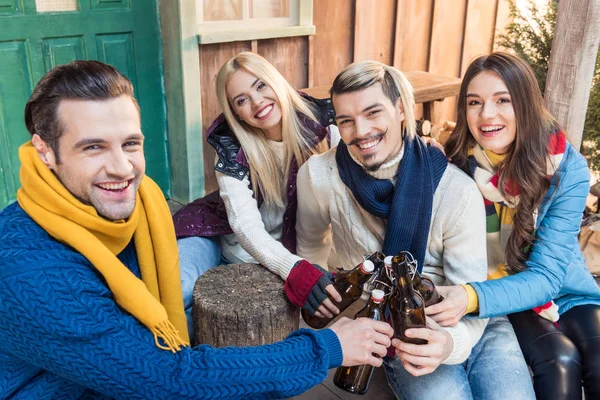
(299, 141)
(363, 74)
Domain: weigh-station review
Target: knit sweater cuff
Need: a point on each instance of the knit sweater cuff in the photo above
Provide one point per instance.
(462, 344)
(473, 300)
(300, 282)
(333, 345)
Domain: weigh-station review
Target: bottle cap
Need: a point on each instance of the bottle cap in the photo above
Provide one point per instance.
(377, 295)
(388, 260)
(368, 266)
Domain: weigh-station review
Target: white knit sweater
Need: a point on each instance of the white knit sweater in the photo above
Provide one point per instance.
(257, 231)
(456, 249)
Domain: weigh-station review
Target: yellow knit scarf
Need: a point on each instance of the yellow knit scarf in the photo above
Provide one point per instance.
(156, 300)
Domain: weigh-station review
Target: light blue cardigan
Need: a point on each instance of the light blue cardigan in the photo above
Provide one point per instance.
(556, 267)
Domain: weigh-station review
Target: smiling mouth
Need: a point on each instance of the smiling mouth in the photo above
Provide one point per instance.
(264, 112)
(490, 130)
(367, 144)
(115, 187)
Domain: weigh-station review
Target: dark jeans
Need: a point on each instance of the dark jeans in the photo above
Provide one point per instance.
(562, 358)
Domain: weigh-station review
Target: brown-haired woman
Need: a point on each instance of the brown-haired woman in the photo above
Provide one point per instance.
(535, 186)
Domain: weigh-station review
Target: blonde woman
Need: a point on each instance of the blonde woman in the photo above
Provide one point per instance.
(266, 132)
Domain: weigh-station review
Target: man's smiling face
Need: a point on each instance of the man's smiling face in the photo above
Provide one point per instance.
(370, 125)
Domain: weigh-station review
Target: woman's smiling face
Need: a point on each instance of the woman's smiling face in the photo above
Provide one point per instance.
(490, 113)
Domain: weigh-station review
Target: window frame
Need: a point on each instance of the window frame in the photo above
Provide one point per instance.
(209, 32)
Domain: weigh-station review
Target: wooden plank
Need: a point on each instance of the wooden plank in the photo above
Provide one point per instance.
(212, 57)
(572, 63)
(374, 30)
(333, 42)
(413, 33)
(479, 33)
(446, 46)
(289, 56)
(502, 20)
(310, 73)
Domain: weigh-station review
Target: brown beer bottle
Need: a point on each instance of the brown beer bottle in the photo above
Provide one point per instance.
(349, 285)
(426, 288)
(406, 306)
(356, 379)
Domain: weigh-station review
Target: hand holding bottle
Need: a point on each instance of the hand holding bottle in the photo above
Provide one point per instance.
(452, 308)
(362, 339)
(423, 359)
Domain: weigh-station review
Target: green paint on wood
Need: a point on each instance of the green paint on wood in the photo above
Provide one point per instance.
(124, 33)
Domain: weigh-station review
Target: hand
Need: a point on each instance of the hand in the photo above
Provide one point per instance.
(361, 339)
(308, 286)
(422, 359)
(452, 308)
(327, 309)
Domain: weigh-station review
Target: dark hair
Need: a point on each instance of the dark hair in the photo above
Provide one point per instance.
(78, 80)
(525, 164)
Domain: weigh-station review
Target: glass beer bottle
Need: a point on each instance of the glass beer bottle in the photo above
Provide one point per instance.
(349, 284)
(426, 288)
(356, 379)
(406, 306)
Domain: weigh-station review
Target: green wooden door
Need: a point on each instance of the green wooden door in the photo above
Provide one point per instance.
(124, 33)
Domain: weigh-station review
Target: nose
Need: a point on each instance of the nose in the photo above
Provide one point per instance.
(257, 100)
(118, 165)
(488, 110)
(362, 127)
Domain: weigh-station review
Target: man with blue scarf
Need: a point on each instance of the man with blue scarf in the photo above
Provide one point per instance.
(383, 190)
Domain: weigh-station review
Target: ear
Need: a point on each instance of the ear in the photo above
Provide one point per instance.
(400, 108)
(44, 151)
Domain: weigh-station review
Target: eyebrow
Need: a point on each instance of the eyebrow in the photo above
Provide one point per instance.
(251, 86)
(495, 94)
(363, 111)
(92, 141)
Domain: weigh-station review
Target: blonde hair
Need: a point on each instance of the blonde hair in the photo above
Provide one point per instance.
(299, 141)
(363, 74)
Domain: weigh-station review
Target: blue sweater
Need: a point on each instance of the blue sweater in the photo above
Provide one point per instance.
(62, 336)
(556, 267)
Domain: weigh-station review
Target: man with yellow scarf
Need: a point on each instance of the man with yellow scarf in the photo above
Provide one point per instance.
(90, 292)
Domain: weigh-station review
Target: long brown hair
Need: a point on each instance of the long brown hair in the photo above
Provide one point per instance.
(525, 164)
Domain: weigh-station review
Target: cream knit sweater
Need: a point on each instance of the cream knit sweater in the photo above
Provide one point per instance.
(257, 231)
(329, 214)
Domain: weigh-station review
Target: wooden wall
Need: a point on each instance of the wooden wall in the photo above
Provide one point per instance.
(439, 36)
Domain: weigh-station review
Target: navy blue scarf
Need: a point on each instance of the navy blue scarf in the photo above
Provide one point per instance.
(408, 205)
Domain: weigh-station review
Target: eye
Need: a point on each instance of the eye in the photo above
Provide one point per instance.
(504, 100)
(261, 85)
(344, 122)
(91, 147)
(239, 102)
(132, 143)
(374, 112)
(473, 103)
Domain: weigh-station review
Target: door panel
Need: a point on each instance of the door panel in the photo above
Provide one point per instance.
(15, 86)
(123, 33)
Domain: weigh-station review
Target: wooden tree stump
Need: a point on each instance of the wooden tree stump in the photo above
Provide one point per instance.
(242, 305)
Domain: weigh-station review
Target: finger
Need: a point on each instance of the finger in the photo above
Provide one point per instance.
(423, 333)
(319, 314)
(416, 371)
(382, 339)
(411, 369)
(333, 293)
(374, 361)
(420, 350)
(380, 350)
(440, 307)
(323, 310)
(420, 361)
(383, 327)
(431, 324)
(330, 306)
(447, 318)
